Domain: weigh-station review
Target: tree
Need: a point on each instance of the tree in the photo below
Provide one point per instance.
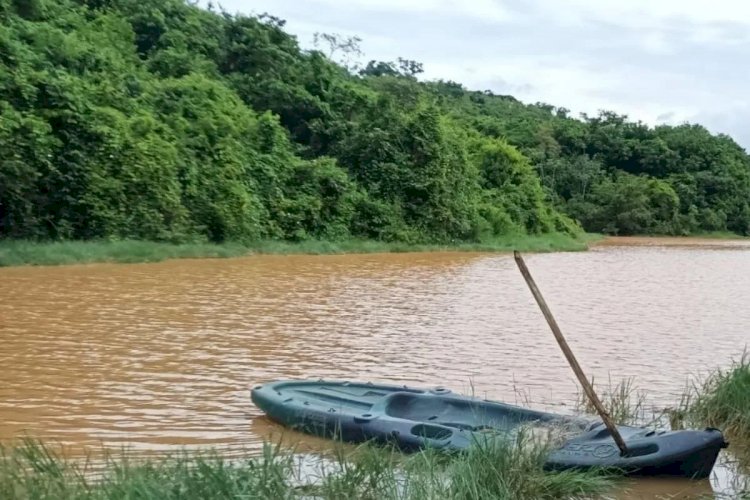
(157, 119)
(347, 45)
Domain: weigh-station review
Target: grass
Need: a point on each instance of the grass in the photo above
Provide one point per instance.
(522, 242)
(723, 400)
(710, 235)
(720, 235)
(623, 401)
(497, 469)
(19, 252)
(500, 468)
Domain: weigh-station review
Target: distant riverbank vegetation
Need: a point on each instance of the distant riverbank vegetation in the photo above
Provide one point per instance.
(19, 252)
(160, 121)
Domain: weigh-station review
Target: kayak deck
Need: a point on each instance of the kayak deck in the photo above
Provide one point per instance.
(406, 403)
(418, 418)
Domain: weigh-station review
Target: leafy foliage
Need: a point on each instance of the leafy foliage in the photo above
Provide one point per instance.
(159, 120)
(613, 175)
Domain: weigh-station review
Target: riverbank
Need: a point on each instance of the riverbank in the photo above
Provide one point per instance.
(30, 253)
(500, 470)
(20, 253)
(703, 239)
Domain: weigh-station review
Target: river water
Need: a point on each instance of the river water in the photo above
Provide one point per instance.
(158, 356)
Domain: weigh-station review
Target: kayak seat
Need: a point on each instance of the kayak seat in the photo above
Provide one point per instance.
(466, 427)
(457, 413)
(428, 431)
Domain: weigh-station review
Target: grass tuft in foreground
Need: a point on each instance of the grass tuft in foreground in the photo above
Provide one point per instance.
(18, 253)
(497, 469)
(721, 400)
(724, 399)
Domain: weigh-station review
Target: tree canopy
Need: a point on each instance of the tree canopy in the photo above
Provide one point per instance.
(160, 120)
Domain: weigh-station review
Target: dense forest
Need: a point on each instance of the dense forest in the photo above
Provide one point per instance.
(160, 120)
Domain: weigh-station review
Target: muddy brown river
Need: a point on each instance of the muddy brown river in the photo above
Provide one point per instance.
(160, 356)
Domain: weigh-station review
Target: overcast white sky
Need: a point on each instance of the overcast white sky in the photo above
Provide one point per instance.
(660, 61)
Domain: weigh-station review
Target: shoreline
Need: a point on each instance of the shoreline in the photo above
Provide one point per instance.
(707, 240)
(25, 253)
(17, 253)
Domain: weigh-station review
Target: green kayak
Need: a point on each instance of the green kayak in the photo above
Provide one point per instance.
(418, 418)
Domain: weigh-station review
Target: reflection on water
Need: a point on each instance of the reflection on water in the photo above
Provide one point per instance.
(163, 355)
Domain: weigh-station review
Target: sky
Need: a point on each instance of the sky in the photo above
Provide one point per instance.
(659, 61)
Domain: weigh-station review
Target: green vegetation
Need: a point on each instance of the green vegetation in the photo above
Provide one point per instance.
(18, 252)
(503, 468)
(511, 470)
(717, 235)
(158, 120)
(723, 401)
(622, 401)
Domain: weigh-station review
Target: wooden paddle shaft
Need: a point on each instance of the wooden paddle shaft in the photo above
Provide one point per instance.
(587, 387)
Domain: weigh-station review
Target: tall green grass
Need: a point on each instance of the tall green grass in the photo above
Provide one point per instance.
(719, 235)
(723, 399)
(622, 400)
(522, 242)
(17, 253)
(499, 469)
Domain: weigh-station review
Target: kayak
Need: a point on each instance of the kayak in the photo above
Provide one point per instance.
(415, 419)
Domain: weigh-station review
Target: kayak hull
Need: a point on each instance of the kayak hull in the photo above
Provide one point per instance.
(415, 419)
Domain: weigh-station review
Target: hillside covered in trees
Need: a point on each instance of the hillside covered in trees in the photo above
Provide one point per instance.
(159, 120)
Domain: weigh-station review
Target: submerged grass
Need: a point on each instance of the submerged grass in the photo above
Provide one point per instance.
(18, 253)
(496, 469)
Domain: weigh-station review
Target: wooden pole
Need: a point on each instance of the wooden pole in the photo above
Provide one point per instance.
(588, 389)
